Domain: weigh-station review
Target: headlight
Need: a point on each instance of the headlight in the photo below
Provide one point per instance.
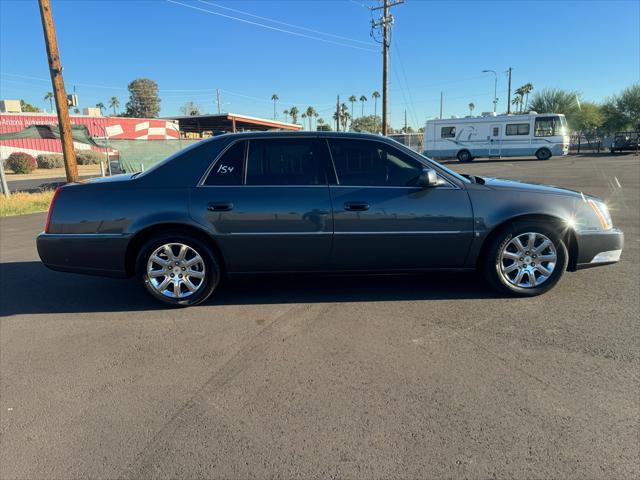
(602, 212)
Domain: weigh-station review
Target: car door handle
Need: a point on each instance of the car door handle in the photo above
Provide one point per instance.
(220, 206)
(356, 206)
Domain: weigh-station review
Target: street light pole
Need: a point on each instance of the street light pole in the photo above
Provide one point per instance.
(495, 88)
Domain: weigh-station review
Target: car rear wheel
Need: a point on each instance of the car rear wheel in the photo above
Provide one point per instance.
(464, 156)
(543, 154)
(526, 259)
(178, 270)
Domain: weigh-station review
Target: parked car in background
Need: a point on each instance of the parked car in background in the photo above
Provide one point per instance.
(531, 134)
(625, 141)
(319, 202)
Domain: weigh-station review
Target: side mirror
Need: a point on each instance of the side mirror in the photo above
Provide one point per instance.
(428, 178)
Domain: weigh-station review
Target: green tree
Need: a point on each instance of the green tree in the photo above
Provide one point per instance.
(472, 107)
(311, 112)
(376, 96)
(370, 123)
(49, 96)
(27, 107)
(588, 120)
(622, 112)
(322, 126)
(286, 114)
(114, 103)
(362, 100)
(552, 100)
(293, 111)
(101, 106)
(190, 109)
(144, 101)
(274, 99)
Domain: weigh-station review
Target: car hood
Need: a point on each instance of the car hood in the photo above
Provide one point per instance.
(503, 184)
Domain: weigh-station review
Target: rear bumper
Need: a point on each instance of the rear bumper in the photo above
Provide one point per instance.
(601, 248)
(92, 254)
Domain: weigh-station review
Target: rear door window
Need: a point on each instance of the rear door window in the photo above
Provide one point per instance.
(228, 170)
(296, 161)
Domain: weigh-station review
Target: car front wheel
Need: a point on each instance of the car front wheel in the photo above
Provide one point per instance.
(526, 259)
(178, 270)
(543, 154)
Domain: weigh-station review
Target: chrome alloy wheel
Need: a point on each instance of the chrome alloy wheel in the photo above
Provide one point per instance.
(175, 270)
(528, 260)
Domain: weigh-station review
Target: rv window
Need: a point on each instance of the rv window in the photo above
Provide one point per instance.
(448, 132)
(496, 131)
(517, 129)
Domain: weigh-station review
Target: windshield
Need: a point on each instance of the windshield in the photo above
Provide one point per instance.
(550, 126)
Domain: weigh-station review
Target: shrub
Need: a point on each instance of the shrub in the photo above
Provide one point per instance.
(90, 157)
(50, 160)
(21, 162)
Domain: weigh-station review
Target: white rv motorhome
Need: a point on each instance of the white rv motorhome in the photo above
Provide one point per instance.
(542, 135)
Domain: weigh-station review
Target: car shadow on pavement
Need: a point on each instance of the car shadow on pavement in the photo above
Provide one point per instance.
(31, 288)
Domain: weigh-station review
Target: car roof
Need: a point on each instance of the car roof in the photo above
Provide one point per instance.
(271, 134)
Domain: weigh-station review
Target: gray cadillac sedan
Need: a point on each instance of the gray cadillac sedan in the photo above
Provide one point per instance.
(319, 202)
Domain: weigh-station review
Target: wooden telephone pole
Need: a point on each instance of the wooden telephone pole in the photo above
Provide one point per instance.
(385, 22)
(62, 106)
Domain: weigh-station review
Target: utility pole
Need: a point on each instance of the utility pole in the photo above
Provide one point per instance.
(441, 99)
(338, 113)
(385, 22)
(405, 121)
(55, 69)
(509, 95)
(218, 97)
(3, 181)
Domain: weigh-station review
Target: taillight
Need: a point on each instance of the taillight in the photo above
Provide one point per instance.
(53, 201)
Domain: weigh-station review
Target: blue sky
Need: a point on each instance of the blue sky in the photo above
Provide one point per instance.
(589, 46)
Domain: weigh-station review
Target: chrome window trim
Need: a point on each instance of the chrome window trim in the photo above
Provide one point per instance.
(455, 183)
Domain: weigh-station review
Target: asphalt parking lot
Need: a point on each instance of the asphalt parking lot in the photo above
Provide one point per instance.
(425, 376)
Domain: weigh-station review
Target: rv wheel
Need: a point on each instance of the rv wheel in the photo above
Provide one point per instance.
(464, 156)
(543, 154)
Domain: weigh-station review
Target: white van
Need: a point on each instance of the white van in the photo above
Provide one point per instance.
(542, 135)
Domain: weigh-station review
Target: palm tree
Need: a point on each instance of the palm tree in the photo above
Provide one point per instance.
(49, 96)
(286, 114)
(304, 115)
(517, 101)
(274, 98)
(293, 111)
(472, 107)
(345, 116)
(114, 103)
(526, 89)
(353, 99)
(362, 100)
(311, 112)
(376, 96)
(100, 106)
(320, 121)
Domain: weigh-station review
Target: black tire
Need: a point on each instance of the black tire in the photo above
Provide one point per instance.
(543, 154)
(211, 268)
(491, 261)
(464, 156)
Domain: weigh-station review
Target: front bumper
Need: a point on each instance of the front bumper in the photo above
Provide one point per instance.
(92, 254)
(599, 248)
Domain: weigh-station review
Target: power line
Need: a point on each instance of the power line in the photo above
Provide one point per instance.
(269, 27)
(285, 23)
